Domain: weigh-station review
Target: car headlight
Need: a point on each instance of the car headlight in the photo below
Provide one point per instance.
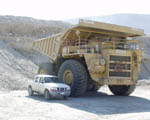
(68, 88)
(53, 89)
(102, 61)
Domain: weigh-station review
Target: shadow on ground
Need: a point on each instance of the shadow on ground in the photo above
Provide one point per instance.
(102, 104)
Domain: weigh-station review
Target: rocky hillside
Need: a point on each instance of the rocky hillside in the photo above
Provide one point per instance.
(15, 69)
(18, 62)
(28, 27)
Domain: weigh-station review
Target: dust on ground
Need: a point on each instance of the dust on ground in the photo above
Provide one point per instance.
(102, 105)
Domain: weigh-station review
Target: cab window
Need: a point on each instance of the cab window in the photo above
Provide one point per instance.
(36, 79)
(50, 79)
(41, 80)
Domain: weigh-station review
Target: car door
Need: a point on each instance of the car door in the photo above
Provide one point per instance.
(36, 82)
(41, 86)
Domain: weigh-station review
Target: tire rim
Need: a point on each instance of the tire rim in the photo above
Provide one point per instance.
(68, 77)
(42, 71)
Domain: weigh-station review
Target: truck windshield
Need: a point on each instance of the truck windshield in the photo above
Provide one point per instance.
(133, 46)
(50, 79)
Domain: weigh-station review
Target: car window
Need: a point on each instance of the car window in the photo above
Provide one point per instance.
(50, 79)
(41, 80)
(36, 79)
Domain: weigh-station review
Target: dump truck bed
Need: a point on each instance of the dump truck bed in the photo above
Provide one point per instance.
(52, 45)
(109, 29)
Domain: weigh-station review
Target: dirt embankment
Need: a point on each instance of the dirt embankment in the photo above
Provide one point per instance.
(15, 69)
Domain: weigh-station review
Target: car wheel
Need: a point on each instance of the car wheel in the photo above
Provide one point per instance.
(30, 91)
(47, 95)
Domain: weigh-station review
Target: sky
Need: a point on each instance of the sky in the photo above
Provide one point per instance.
(67, 9)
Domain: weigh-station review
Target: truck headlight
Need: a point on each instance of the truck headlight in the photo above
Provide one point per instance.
(102, 61)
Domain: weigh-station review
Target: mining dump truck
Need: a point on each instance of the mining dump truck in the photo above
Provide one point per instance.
(92, 54)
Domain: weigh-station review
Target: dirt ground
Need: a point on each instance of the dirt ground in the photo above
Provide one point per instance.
(102, 105)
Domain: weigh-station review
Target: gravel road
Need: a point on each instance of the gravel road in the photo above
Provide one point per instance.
(102, 105)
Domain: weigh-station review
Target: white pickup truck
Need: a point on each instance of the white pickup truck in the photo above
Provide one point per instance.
(49, 86)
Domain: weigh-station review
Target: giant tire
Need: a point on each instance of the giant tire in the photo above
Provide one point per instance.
(79, 77)
(122, 90)
(46, 68)
(92, 87)
(95, 88)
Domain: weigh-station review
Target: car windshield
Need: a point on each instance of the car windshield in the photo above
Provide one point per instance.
(50, 79)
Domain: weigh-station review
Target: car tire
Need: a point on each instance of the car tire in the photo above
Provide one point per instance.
(30, 91)
(46, 95)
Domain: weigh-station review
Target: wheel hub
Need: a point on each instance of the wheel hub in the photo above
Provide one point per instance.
(68, 77)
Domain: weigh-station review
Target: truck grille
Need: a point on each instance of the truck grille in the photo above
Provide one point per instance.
(119, 66)
(61, 89)
(120, 58)
(119, 74)
(123, 66)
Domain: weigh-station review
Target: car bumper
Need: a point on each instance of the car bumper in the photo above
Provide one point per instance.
(58, 94)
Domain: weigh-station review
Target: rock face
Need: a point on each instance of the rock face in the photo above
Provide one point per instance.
(29, 27)
(15, 69)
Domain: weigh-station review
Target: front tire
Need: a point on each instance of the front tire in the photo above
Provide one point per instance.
(122, 90)
(74, 74)
(46, 95)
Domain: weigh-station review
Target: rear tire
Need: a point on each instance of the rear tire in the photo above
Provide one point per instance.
(46, 95)
(122, 90)
(77, 77)
(92, 87)
(30, 91)
(95, 88)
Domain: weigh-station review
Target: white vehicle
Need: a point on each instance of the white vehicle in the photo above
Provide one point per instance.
(49, 86)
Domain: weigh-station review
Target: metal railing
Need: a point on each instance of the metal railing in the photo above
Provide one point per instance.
(122, 44)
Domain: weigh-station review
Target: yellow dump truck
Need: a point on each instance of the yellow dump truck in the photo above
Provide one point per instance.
(92, 54)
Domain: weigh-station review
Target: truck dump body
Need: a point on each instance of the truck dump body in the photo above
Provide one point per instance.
(52, 45)
(48, 46)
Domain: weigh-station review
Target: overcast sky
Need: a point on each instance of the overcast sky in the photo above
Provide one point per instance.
(66, 9)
